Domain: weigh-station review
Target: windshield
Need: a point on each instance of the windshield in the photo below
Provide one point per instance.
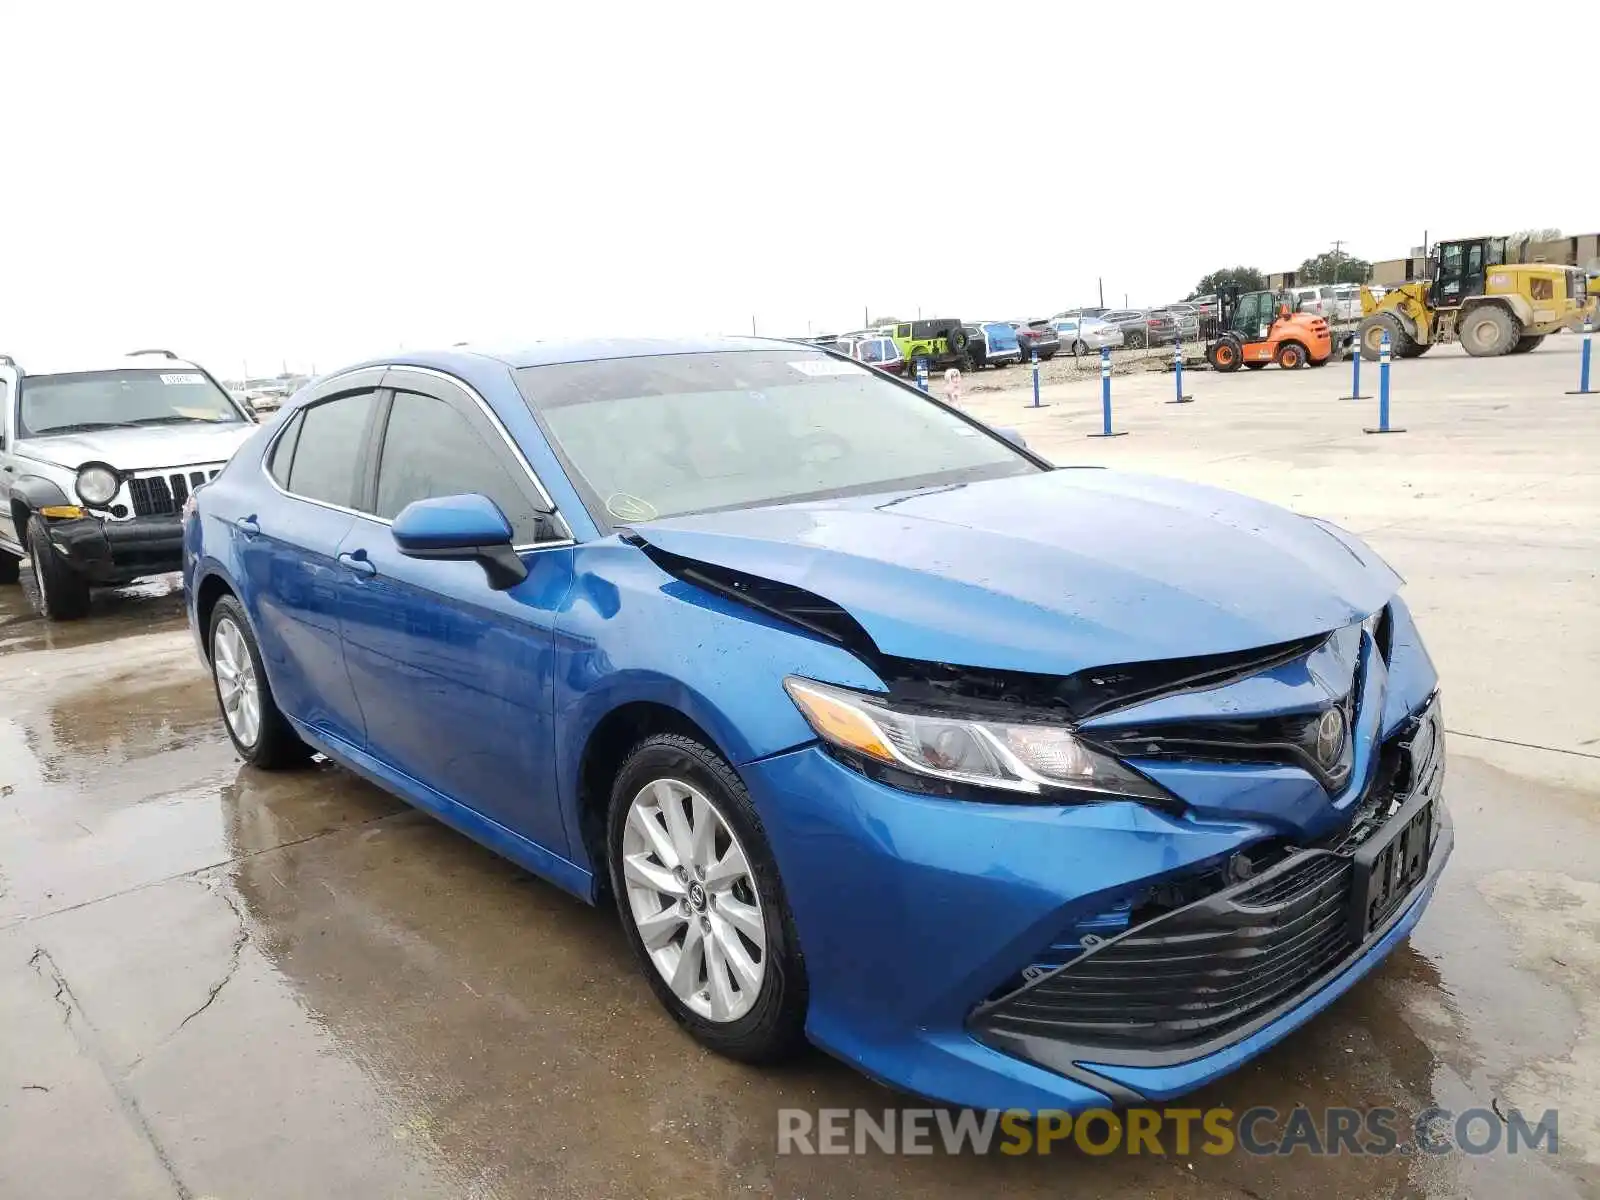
(89, 400)
(679, 433)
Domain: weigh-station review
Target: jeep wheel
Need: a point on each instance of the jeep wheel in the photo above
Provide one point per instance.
(10, 568)
(63, 594)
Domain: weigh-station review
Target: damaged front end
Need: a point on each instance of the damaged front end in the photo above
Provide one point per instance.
(1314, 763)
(1196, 963)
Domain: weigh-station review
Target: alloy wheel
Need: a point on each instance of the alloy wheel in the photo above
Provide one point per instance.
(237, 686)
(693, 900)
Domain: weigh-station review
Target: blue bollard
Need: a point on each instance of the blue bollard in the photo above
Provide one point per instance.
(1583, 360)
(1355, 370)
(1383, 390)
(1036, 403)
(922, 373)
(1105, 396)
(1177, 374)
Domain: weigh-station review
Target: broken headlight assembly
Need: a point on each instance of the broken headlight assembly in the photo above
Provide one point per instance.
(1045, 762)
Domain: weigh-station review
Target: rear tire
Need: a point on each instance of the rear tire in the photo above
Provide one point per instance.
(63, 593)
(1528, 341)
(730, 917)
(257, 727)
(1137, 340)
(10, 568)
(1489, 331)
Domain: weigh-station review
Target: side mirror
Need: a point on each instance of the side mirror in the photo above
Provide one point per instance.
(461, 528)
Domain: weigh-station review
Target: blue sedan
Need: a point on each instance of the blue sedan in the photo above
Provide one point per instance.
(1012, 786)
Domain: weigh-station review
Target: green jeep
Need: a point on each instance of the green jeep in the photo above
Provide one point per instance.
(939, 340)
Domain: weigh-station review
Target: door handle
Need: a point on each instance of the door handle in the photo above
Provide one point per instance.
(247, 526)
(358, 562)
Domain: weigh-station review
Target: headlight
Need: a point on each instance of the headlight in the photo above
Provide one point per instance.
(1040, 760)
(97, 485)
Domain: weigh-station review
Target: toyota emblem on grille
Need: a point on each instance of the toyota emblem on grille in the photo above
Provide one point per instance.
(1330, 737)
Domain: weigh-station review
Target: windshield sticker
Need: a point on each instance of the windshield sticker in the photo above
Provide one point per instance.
(826, 366)
(624, 507)
(189, 378)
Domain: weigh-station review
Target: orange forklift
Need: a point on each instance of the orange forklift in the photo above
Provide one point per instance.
(1257, 328)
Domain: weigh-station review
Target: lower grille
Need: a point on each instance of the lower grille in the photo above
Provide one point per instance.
(164, 495)
(1198, 972)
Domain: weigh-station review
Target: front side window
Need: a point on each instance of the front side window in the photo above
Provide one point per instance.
(328, 448)
(430, 450)
(82, 401)
(680, 433)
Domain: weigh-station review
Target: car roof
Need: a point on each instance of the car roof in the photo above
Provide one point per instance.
(67, 365)
(543, 354)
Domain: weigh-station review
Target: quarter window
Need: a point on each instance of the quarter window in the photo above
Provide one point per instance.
(430, 450)
(283, 451)
(327, 449)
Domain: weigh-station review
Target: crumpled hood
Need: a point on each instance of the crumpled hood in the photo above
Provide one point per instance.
(140, 449)
(1055, 572)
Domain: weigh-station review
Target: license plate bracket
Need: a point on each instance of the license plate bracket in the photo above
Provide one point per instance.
(1389, 864)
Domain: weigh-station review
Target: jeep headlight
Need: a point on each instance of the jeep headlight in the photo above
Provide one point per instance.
(1047, 761)
(97, 485)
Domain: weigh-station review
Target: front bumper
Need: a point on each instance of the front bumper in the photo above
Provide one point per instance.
(916, 916)
(115, 552)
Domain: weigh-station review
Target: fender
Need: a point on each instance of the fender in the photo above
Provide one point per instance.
(33, 492)
(1519, 306)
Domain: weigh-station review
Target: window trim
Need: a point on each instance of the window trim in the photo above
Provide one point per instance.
(350, 382)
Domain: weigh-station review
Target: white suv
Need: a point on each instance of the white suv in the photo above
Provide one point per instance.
(96, 461)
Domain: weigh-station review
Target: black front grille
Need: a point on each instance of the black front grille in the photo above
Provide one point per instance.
(1198, 972)
(164, 495)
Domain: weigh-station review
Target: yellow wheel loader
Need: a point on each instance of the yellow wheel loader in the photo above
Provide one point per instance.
(1477, 298)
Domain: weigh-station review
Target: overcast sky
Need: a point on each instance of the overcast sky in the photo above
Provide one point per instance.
(314, 183)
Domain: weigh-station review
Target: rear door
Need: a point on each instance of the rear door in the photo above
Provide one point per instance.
(288, 549)
(456, 679)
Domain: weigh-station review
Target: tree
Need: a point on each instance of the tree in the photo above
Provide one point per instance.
(1329, 267)
(1536, 235)
(1246, 279)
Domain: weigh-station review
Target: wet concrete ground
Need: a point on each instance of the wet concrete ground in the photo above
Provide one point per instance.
(216, 982)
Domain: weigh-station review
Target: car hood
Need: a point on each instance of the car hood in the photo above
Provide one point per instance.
(140, 449)
(1055, 572)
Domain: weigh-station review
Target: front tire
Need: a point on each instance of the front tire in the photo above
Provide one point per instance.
(1137, 340)
(1489, 331)
(260, 732)
(701, 902)
(63, 594)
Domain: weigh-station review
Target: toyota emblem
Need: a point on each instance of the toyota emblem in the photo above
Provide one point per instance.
(1330, 737)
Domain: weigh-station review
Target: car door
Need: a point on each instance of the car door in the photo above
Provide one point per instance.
(288, 551)
(456, 679)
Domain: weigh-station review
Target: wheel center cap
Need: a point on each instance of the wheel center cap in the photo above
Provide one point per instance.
(697, 897)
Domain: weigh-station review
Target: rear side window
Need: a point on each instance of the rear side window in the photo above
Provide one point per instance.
(327, 448)
(430, 450)
(283, 452)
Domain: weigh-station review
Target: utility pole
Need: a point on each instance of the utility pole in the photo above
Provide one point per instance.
(1100, 280)
(1337, 243)
(752, 325)
(866, 319)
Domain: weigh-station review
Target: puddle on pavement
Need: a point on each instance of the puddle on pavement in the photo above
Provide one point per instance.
(142, 607)
(298, 953)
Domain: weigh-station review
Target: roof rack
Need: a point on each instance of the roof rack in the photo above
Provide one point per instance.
(166, 353)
